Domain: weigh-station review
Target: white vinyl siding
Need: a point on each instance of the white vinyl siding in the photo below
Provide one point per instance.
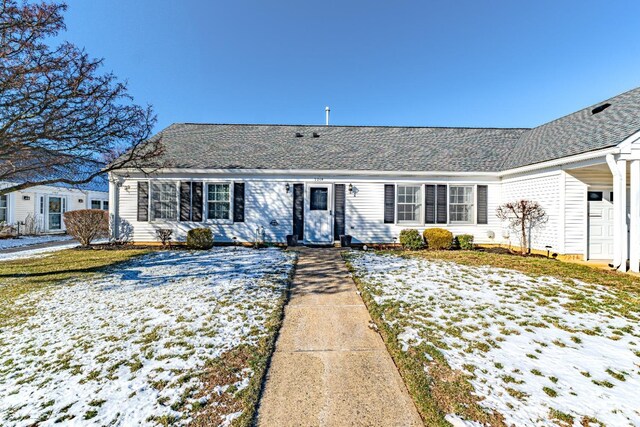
(409, 203)
(461, 206)
(164, 201)
(218, 201)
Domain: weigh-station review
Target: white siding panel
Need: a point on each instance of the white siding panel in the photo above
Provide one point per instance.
(544, 189)
(267, 205)
(575, 215)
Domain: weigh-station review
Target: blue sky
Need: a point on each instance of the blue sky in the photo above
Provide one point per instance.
(417, 63)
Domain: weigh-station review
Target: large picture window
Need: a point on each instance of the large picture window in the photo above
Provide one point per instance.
(4, 209)
(461, 204)
(409, 203)
(164, 200)
(218, 201)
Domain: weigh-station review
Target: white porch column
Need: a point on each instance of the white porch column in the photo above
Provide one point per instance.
(114, 220)
(634, 235)
(621, 198)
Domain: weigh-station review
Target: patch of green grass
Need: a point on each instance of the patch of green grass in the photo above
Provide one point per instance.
(550, 392)
(604, 383)
(561, 416)
(617, 375)
(92, 413)
(21, 277)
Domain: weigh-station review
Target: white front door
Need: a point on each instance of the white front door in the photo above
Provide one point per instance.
(318, 217)
(55, 213)
(600, 224)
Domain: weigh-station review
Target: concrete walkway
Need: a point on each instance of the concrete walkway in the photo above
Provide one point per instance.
(329, 368)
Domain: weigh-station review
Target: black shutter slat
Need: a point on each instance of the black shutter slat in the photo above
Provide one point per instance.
(339, 214)
(196, 201)
(389, 203)
(143, 201)
(238, 202)
(483, 207)
(185, 201)
(430, 204)
(441, 214)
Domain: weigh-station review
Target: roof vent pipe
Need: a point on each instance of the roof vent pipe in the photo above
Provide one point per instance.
(327, 110)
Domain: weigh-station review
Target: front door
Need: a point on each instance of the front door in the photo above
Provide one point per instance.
(600, 224)
(55, 213)
(319, 216)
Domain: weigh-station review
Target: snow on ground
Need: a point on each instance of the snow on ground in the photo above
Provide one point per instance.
(32, 240)
(535, 355)
(129, 345)
(36, 253)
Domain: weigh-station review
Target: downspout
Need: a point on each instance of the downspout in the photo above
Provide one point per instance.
(613, 167)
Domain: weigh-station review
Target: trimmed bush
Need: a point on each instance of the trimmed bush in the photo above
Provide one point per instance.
(438, 239)
(410, 239)
(465, 241)
(86, 225)
(200, 238)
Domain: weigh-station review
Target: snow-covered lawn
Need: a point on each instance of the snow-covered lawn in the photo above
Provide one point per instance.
(147, 343)
(536, 351)
(32, 240)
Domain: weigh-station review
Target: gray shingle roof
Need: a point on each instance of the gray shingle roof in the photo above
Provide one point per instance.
(579, 132)
(386, 148)
(206, 146)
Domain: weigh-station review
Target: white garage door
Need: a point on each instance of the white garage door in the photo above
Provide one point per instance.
(600, 225)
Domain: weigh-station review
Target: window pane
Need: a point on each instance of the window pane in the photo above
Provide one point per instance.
(165, 200)
(4, 215)
(105, 205)
(461, 204)
(409, 203)
(319, 199)
(218, 201)
(95, 204)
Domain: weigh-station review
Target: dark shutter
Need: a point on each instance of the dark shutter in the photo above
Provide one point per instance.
(196, 201)
(238, 202)
(298, 211)
(185, 201)
(430, 204)
(389, 203)
(143, 201)
(441, 196)
(339, 207)
(483, 208)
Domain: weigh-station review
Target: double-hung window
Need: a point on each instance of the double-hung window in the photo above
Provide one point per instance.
(461, 204)
(100, 204)
(4, 209)
(164, 200)
(409, 203)
(218, 201)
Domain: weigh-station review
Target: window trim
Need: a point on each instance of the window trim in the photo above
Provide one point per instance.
(152, 217)
(418, 221)
(474, 203)
(205, 202)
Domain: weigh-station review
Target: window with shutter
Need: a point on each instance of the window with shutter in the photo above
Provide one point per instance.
(483, 208)
(389, 203)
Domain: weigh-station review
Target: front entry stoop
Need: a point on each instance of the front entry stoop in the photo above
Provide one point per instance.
(329, 368)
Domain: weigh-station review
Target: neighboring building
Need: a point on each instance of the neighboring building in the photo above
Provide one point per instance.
(318, 182)
(41, 207)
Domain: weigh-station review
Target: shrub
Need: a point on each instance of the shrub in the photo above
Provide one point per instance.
(438, 238)
(465, 241)
(164, 235)
(200, 238)
(86, 225)
(410, 239)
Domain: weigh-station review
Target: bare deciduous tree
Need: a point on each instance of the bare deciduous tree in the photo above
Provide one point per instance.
(85, 225)
(523, 216)
(61, 120)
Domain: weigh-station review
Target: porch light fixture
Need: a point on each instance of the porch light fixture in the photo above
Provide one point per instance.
(287, 187)
(26, 197)
(350, 188)
(80, 200)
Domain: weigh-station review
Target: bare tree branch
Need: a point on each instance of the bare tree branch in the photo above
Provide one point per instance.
(61, 120)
